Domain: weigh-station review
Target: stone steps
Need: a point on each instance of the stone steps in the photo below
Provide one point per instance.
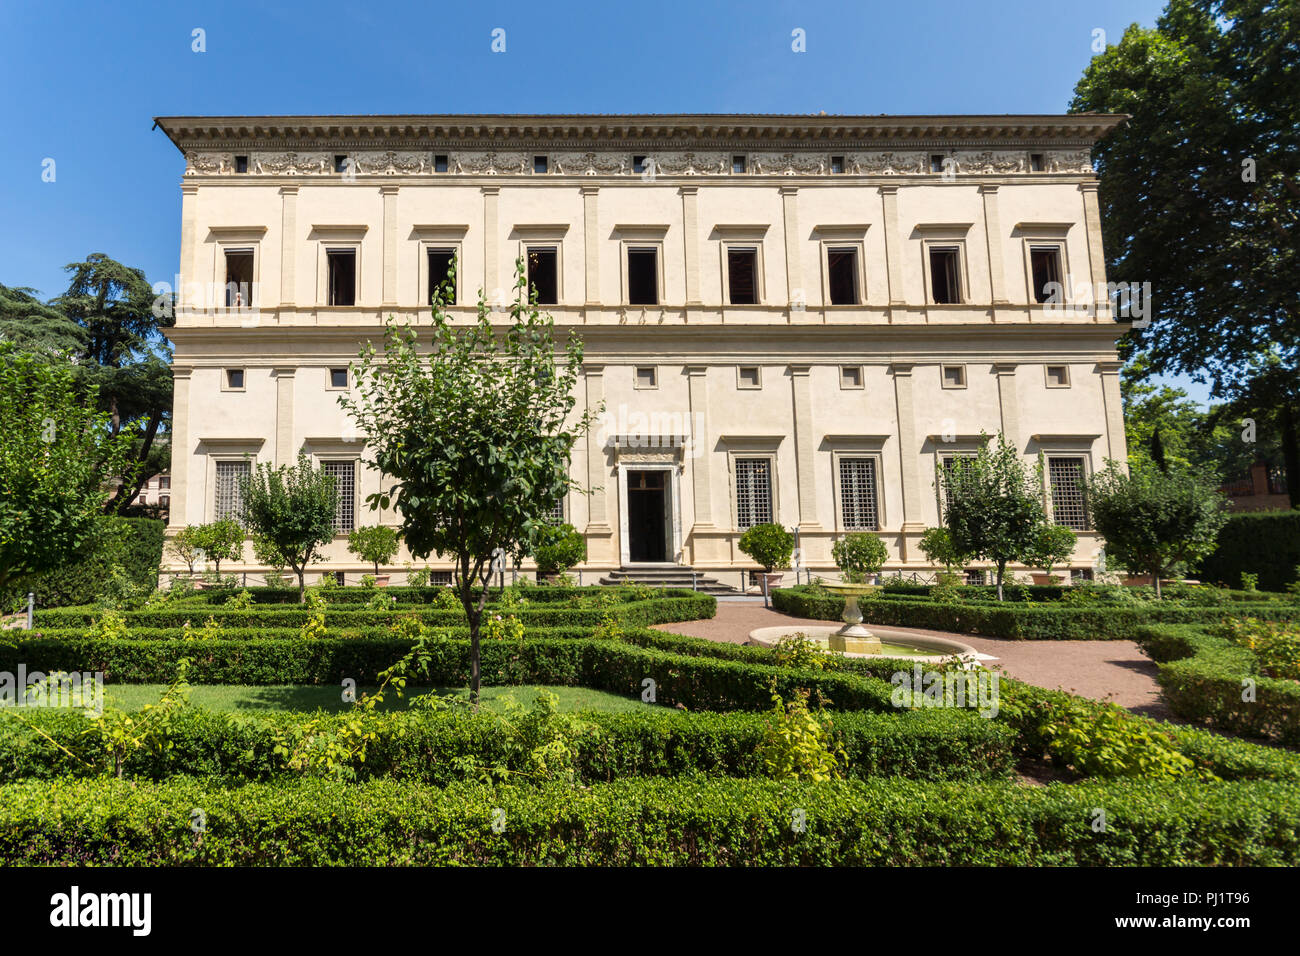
(673, 577)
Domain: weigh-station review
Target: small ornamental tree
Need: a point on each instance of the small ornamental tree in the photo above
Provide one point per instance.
(55, 454)
(936, 544)
(474, 430)
(994, 506)
(770, 545)
(290, 510)
(185, 546)
(1154, 520)
(376, 543)
(1053, 544)
(559, 547)
(220, 541)
(857, 555)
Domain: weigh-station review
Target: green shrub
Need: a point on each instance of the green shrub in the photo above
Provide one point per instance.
(133, 545)
(858, 555)
(769, 545)
(649, 822)
(1265, 543)
(559, 548)
(374, 544)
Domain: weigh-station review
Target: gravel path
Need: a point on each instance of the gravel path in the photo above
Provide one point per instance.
(1102, 670)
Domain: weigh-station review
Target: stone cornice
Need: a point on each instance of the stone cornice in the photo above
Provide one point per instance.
(577, 131)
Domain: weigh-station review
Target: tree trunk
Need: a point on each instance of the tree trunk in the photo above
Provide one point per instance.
(1001, 568)
(1155, 577)
(302, 584)
(1291, 454)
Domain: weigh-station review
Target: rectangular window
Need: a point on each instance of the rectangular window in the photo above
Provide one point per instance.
(227, 501)
(1058, 376)
(642, 276)
(837, 165)
(949, 464)
(850, 376)
(1069, 506)
(945, 275)
(440, 163)
(1036, 162)
(749, 376)
(241, 164)
(340, 162)
(557, 513)
(539, 164)
(638, 164)
(954, 376)
(344, 474)
(338, 378)
(742, 276)
(858, 494)
(235, 379)
(936, 162)
(164, 501)
(842, 269)
(342, 270)
(737, 164)
(165, 482)
(543, 274)
(1045, 261)
(239, 278)
(753, 492)
(647, 376)
(440, 261)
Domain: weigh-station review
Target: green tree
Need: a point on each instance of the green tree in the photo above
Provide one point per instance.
(994, 506)
(475, 435)
(374, 543)
(33, 326)
(1053, 544)
(859, 554)
(185, 545)
(1200, 196)
(558, 548)
(220, 541)
(54, 452)
(936, 544)
(290, 511)
(1154, 521)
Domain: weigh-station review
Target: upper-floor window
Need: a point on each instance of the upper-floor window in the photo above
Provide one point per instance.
(1045, 264)
(1036, 162)
(165, 482)
(842, 275)
(234, 380)
(738, 164)
(338, 378)
(440, 263)
(837, 165)
(341, 266)
(643, 275)
(540, 164)
(239, 278)
(742, 275)
(340, 162)
(647, 376)
(945, 275)
(638, 164)
(544, 273)
(440, 163)
(241, 164)
(936, 162)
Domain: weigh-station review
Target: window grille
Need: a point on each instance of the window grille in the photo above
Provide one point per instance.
(858, 494)
(1068, 505)
(344, 474)
(753, 492)
(228, 503)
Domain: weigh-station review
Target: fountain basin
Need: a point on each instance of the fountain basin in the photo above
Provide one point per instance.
(881, 642)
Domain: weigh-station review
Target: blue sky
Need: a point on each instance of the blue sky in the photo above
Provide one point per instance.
(82, 82)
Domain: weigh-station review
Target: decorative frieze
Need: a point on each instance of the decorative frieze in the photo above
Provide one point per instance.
(611, 163)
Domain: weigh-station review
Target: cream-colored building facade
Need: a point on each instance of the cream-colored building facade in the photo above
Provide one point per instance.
(786, 318)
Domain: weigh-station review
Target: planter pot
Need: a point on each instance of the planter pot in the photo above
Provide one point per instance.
(772, 580)
(1137, 580)
(1045, 579)
(381, 580)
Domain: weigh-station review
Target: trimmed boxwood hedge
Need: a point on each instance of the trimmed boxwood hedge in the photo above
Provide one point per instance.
(1037, 623)
(677, 606)
(1266, 543)
(1202, 678)
(926, 745)
(649, 822)
(353, 594)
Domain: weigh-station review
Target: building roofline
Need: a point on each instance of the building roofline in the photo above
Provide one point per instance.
(756, 129)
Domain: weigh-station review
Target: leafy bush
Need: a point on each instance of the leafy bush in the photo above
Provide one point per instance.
(376, 544)
(1053, 544)
(797, 745)
(649, 822)
(770, 546)
(133, 545)
(1265, 543)
(1276, 645)
(559, 548)
(857, 555)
